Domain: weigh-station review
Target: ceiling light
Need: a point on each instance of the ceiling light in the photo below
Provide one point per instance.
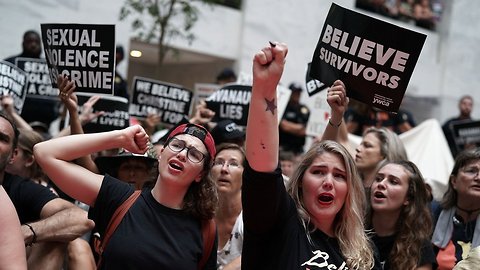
(135, 53)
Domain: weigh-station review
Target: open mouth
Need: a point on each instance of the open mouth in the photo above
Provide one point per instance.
(379, 195)
(325, 198)
(176, 165)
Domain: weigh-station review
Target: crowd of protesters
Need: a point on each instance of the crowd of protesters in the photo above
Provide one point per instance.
(204, 195)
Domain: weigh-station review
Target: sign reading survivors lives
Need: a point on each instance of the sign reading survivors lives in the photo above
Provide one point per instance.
(374, 59)
(84, 52)
(115, 113)
(13, 81)
(171, 102)
(466, 134)
(39, 83)
(231, 102)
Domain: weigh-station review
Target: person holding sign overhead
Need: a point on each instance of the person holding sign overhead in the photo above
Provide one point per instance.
(317, 221)
(163, 227)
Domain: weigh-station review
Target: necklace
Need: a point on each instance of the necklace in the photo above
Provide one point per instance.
(469, 212)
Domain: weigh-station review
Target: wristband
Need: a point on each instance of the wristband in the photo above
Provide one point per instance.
(332, 124)
(34, 237)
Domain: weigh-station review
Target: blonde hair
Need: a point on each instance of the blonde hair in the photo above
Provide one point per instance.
(348, 225)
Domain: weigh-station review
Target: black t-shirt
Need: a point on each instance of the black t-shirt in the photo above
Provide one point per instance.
(150, 235)
(384, 246)
(28, 197)
(297, 114)
(274, 236)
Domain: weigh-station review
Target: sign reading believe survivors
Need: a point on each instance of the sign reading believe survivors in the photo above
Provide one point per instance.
(374, 59)
(84, 52)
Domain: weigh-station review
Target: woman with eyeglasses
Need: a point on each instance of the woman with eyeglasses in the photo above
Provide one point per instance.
(227, 172)
(457, 220)
(163, 228)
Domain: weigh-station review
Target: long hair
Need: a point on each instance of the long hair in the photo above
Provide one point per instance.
(391, 147)
(463, 159)
(349, 226)
(201, 198)
(26, 140)
(414, 225)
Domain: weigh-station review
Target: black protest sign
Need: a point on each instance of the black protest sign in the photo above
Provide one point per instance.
(13, 82)
(171, 102)
(374, 59)
(84, 52)
(39, 83)
(231, 102)
(466, 133)
(115, 114)
(313, 86)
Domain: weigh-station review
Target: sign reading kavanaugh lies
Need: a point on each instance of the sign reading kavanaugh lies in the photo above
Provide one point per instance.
(84, 52)
(171, 102)
(374, 59)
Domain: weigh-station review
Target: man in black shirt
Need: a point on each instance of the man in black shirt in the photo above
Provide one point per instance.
(48, 222)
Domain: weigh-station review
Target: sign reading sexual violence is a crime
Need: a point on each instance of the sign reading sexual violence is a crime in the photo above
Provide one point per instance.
(231, 102)
(171, 102)
(39, 83)
(84, 52)
(13, 81)
(115, 113)
(374, 59)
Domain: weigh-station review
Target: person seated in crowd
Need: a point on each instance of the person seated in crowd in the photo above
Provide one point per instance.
(12, 245)
(400, 218)
(163, 228)
(457, 220)
(465, 107)
(226, 131)
(423, 14)
(48, 223)
(287, 163)
(378, 144)
(136, 170)
(293, 126)
(318, 218)
(227, 172)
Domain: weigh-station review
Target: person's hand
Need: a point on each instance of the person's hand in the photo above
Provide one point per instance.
(337, 98)
(268, 65)
(66, 93)
(203, 115)
(86, 113)
(151, 122)
(137, 139)
(7, 104)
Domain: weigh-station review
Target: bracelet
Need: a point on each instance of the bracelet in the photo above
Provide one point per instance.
(333, 125)
(34, 237)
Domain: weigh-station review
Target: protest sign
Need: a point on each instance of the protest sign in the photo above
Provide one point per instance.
(115, 113)
(466, 133)
(171, 102)
(233, 100)
(84, 52)
(313, 86)
(374, 59)
(203, 90)
(39, 83)
(13, 82)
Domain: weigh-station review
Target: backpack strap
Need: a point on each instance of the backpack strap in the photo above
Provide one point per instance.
(208, 236)
(114, 222)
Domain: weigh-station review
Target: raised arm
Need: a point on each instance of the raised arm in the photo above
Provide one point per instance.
(55, 156)
(336, 129)
(262, 124)
(12, 247)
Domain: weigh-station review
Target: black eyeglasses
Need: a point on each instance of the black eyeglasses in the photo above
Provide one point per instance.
(193, 154)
